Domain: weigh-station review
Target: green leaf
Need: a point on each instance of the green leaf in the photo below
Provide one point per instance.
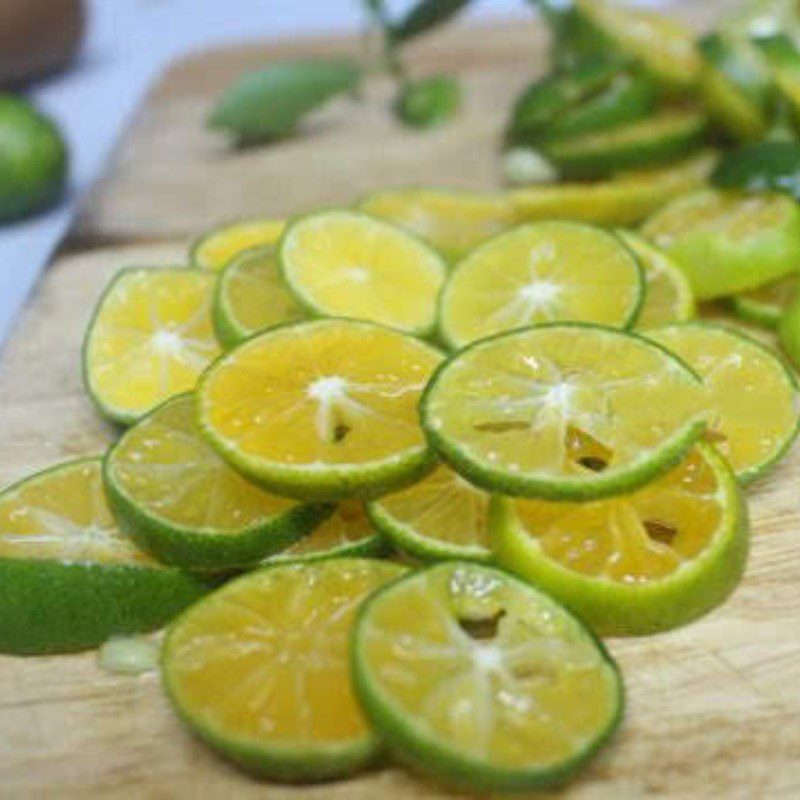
(268, 104)
(766, 166)
(429, 102)
(424, 16)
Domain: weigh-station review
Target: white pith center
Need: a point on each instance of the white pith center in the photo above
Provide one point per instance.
(539, 294)
(330, 393)
(357, 274)
(487, 657)
(559, 398)
(167, 343)
(328, 389)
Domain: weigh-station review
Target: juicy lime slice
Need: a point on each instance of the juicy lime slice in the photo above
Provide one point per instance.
(179, 500)
(68, 578)
(563, 411)
(321, 410)
(752, 395)
(661, 43)
(625, 200)
(727, 241)
(542, 272)
(483, 681)
(441, 517)
(668, 296)
(346, 532)
(665, 136)
(150, 338)
(348, 264)
(259, 669)
(215, 250)
(452, 221)
(638, 563)
(251, 297)
(764, 306)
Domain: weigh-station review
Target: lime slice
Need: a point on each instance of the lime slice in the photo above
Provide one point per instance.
(727, 241)
(665, 136)
(789, 330)
(150, 338)
(668, 296)
(69, 579)
(321, 410)
(764, 306)
(542, 272)
(346, 532)
(563, 411)
(660, 42)
(452, 221)
(179, 500)
(625, 200)
(752, 395)
(483, 681)
(441, 517)
(259, 669)
(215, 250)
(348, 264)
(734, 87)
(251, 297)
(638, 563)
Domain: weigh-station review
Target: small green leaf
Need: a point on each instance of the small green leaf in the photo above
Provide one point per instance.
(268, 104)
(429, 102)
(766, 166)
(424, 16)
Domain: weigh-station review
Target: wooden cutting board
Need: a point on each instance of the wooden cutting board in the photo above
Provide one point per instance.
(714, 708)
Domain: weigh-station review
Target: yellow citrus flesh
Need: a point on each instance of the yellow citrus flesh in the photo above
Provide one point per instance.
(215, 250)
(454, 222)
(264, 661)
(342, 263)
(313, 395)
(61, 515)
(483, 665)
(150, 339)
(347, 527)
(170, 471)
(668, 297)
(752, 396)
(543, 272)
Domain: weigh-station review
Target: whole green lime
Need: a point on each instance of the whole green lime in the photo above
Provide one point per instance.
(33, 159)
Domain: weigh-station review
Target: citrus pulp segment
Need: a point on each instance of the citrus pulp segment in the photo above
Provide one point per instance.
(215, 250)
(150, 338)
(481, 680)
(638, 563)
(668, 295)
(251, 296)
(69, 579)
(321, 410)
(764, 306)
(259, 670)
(541, 272)
(452, 221)
(728, 241)
(752, 395)
(441, 517)
(563, 411)
(179, 500)
(349, 264)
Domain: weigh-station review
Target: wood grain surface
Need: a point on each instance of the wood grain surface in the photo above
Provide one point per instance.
(714, 708)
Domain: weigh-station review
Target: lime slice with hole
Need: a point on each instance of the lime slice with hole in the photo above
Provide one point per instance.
(441, 517)
(563, 411)
(259, 669)
(729, 241)
(348, 264)
(215, 249)
(69, 579)
(482, 681)
(150, 338)
(321, 410)
(542, 272)
(764, 306)
(179, 500)
(251, 297)
(752, 395)
(638, 563)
